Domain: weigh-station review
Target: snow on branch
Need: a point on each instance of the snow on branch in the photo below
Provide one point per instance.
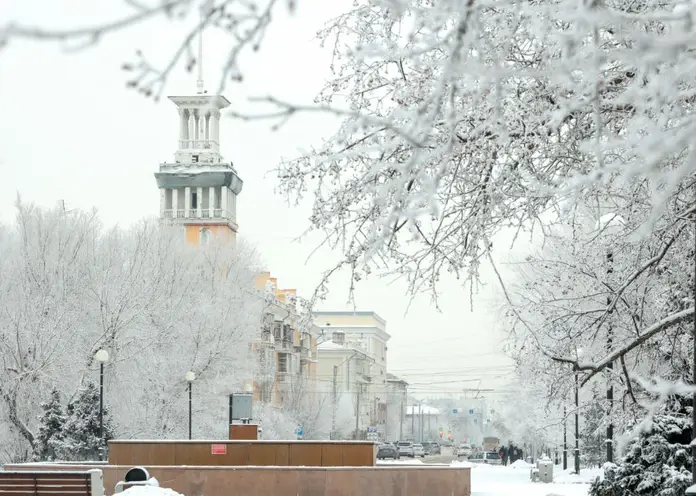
(244, 21)
(645, 335)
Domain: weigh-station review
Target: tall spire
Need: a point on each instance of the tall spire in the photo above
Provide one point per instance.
(199, 82)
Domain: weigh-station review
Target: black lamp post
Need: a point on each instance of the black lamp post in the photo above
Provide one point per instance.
(577, 426)
(101, 356)
(565, 438)
(190, 377)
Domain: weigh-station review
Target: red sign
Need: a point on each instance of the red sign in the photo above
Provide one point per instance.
(218, 449)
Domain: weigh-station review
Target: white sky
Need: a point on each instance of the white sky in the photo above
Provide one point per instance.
(71, 130)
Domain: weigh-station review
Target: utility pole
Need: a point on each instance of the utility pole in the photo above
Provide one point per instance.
(357, 411)
(333, 402)
(401, 423)
(577, 426)
(413, 422)
(420, 422)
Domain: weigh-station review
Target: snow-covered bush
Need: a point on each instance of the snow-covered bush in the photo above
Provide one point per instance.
(658, 462)
(80, 437)
(51, 424)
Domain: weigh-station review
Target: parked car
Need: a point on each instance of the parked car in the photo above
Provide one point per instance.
(463, 450)
(418, 450)
(434, 449)
(405, 448)
(387, 450)
(487, 457)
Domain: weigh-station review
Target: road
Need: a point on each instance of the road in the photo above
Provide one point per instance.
(444, 458)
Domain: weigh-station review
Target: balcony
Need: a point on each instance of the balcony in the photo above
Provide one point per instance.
(267, 339)
(199, 145)
(285, 345)
(305, 354)
(195, 214)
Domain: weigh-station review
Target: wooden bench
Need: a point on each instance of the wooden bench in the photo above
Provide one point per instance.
(34, 483)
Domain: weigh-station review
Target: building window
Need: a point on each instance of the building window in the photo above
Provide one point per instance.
(282, 363)
(194, 159)
(194, 199)
(205, 236)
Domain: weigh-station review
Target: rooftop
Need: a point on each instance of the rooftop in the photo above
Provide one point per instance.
(347, 313)
(422, 409)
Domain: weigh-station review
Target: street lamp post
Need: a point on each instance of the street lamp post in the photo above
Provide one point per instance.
(190, 377)
(565, 438)
(101, 356)
(577, 426)
(576, 452)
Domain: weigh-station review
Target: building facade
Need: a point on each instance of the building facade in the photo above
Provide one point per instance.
(397, 401)
(344, 369)
(287, 348)
(364, 331)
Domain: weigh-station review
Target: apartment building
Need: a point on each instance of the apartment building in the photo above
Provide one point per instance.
(366, 332)
(344, 371)
(287, 348)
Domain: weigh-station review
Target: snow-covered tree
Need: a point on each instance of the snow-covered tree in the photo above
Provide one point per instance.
(159, 307)
(592, 433)
(50, 431)
(658, 462)
(80, 438)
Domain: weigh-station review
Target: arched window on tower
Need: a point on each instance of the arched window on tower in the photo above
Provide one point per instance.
(205, 236)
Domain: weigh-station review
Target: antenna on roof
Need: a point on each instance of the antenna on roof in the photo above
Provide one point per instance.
(199, 82)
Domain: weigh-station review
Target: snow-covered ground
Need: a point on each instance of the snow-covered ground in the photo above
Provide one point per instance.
(487, 480)
(502, 481)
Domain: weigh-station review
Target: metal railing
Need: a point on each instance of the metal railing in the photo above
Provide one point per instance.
(205, 213)
(199, 145)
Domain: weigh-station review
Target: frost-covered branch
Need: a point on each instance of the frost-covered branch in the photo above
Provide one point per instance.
(245, 22)
(622, 351)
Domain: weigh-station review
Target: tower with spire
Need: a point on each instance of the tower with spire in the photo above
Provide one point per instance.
(199, 190)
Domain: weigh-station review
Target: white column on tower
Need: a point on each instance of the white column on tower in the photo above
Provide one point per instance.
(187, 202)
(211, 201)
(175, 202)
(196, 129)
(216, 127)
(223, 200)
(183, 127)
(207, 125)
(199, 202)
